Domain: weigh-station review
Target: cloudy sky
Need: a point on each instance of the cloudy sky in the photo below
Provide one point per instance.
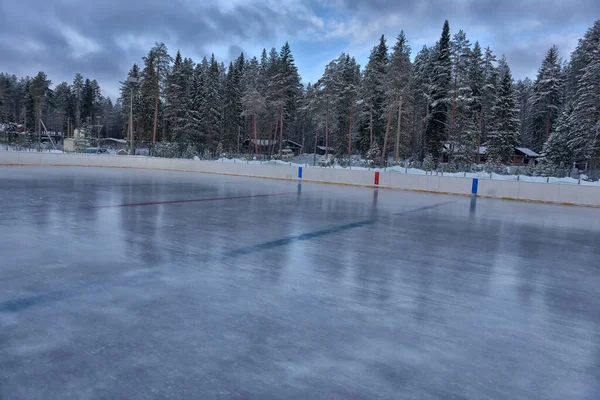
(103, 38)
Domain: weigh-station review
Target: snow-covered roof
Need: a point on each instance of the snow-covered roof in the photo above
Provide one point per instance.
(264, 142)
(122, 141)
(482, 149)
(527, 152)
(324, 148)
(269, 142)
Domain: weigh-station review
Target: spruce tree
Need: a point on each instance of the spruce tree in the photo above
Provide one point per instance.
(476, 81)
(556, 152)
(211, 107)
(77, 90)
(437, 123)
(233, 108)
(545, 100)
(422, 83)
(585, 68)
(489, 96)
(372, 95)
(398, 84)
(524, 90)
(175, 93)
(502, 138)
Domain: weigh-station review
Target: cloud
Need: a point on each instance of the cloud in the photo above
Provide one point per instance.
(103, 39)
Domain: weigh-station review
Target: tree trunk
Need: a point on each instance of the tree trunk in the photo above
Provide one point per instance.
(281, 137)
(350, 137)
(397, 147)
(316, 141)
(479, 135)
(272, 144)
(255, 136)
(371, 129)
(387, 132)
(327, 133)
(250, 136)
(156, 104)
(548, 126)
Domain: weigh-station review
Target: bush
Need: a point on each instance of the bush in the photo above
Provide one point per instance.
(496, 168)
(428, 163)
(165, 150)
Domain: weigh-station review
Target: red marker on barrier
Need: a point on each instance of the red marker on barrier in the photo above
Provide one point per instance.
(377, 178)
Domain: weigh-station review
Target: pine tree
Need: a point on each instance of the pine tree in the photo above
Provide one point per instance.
(502, 139)
(253, 101)
(422, 84)
(77, 90)
(161, 62)
(126, 100)
(489, 95)
(437, 124)
(39, 88)
(460, 48)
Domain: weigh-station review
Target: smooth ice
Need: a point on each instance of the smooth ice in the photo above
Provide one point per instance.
(132, 284)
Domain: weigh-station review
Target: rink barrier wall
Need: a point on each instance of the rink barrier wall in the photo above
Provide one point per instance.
(509, 190)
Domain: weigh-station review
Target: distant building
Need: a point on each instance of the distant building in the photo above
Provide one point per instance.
(522, 156)
(322, 149)
(267, 146)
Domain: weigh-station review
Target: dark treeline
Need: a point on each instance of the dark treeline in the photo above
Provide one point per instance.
(455, 95)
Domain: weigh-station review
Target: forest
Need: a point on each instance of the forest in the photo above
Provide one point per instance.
(454, 96)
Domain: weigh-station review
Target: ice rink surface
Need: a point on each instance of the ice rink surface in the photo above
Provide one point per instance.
(131, 284)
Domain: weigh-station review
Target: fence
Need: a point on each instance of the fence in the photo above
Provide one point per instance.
(517, 190)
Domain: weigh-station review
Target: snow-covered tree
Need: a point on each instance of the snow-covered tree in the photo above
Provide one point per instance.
(232, 107)
(372, 95)
(524, 91)
(176, 86)
(489, 96)
(585, 68)
(422, 85)
(545, 101)
(502, 138)
(77, 90)
(398, 97)
(211, 107)
(438, 119)
(557, 152)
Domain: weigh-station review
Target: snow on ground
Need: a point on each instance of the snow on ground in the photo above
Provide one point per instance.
(12, 148)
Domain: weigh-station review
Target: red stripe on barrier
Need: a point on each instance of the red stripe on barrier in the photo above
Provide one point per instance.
(377, 178)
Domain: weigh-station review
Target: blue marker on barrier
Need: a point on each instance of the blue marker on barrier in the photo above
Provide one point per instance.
(475, 186)
(299, 172)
